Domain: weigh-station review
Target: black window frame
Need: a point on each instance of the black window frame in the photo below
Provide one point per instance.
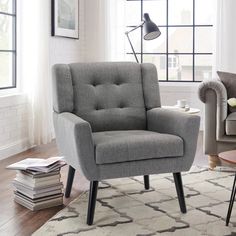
(14, 44)
(167, 53)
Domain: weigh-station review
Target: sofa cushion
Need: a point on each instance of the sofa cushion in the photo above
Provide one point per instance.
(229, 81)
(231, 124)
(133, 145)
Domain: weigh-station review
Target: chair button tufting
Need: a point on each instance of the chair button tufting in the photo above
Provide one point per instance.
(94, 83)
(99, 108)
(118, 82)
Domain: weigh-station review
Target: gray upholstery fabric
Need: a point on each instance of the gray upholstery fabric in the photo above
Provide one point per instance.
(115, 97)
(221, 103)
(150, 86)
(229, 81)
(109, 95)
(134, 145)
(62, 89)
(142, 167)
(215, 85)
(179, 124)
(75, 142)
(231, 124)
(213, 93)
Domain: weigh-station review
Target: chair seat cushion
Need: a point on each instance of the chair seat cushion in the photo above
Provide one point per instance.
(230, 124)
(134, 145)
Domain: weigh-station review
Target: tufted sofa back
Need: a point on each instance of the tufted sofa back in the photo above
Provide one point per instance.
(109, 95)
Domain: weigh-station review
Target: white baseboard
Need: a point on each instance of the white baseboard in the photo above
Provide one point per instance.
(14, 148)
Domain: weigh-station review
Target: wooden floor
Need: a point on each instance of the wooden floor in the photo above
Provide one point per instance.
(17, 220)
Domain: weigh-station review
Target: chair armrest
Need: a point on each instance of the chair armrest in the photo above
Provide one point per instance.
(177, 123)
(74, 140)
(213, 93)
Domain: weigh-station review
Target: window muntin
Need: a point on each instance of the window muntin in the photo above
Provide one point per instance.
(7, 44)
(187, 36)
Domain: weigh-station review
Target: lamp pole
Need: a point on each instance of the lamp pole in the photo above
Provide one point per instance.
(127, 34)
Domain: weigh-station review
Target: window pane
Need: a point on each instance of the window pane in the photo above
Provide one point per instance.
(156, 11)
(157, 45)
(205, 17)
(203, 67)
(6, 6)
(135, 38)
(133, 13)
(6, 69)
(160, 62)
(181, 39)
(204, 39)
(180, 67)
(180, 12)
(6, 42)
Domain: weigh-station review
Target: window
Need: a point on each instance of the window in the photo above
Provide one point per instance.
(172, 62)
(7, 44)
(183, 52)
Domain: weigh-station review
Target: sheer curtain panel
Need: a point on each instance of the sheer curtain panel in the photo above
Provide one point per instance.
(225, 48)
(35, 68)
(104, 30)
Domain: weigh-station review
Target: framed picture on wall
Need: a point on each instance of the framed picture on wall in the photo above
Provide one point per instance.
(65, 18)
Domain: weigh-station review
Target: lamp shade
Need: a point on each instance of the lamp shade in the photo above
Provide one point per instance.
(151, 31)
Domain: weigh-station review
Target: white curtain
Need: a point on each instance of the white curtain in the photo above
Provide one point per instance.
(225, 48)
(104, 30)
(35, 73)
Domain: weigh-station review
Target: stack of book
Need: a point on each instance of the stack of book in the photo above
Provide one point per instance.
(37, 183)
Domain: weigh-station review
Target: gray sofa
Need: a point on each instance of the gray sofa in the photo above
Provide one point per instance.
(220, 124)
(109, 124)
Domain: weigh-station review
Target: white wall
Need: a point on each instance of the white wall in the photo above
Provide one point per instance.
(64, 50)
(13, 108)
(13, 128)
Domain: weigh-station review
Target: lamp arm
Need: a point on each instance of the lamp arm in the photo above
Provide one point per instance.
(127, 34)
(136, 27)
(136, 58)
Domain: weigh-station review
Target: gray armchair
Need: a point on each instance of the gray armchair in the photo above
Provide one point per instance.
(220, 124)
(109, 124)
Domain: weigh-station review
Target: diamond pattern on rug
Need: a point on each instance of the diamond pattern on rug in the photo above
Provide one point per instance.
(124, 208)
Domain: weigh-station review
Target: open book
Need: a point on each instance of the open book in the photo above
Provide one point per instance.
(38, 164)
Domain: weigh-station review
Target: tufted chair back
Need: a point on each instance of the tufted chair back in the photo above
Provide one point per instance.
(109, 95)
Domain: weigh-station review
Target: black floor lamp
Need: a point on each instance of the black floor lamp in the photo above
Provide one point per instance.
(151, 31)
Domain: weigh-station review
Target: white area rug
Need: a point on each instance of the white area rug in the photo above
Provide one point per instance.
(124, 208)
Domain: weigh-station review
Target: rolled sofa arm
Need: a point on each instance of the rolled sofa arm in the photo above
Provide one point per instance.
(177, 123)
(74, 140)
(213, 93)
(216, 86)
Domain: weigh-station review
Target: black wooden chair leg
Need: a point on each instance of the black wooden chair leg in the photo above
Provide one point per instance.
(70, 179)
(92, 201)
(180, 191)
(231, 202)
(146, 182)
